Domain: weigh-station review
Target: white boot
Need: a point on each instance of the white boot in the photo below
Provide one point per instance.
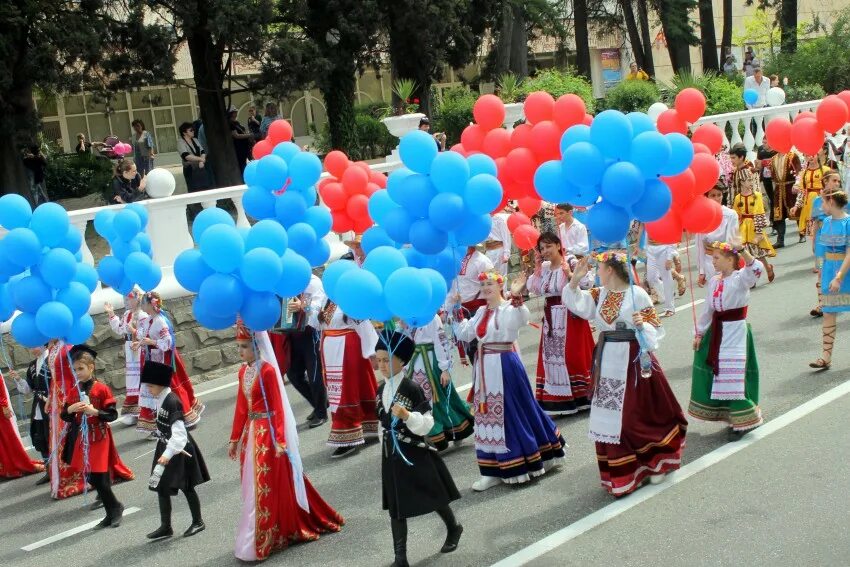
(485, 482)
(657, 478)
(128, 419)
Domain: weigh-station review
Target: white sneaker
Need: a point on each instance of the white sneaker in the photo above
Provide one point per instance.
(657, 478)
(485, 482)
(128, 419)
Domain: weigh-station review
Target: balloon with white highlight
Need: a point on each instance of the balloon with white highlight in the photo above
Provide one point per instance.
(775, 97)
(656, 109)
(160, 183)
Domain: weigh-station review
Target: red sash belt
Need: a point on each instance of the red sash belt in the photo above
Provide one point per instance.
(488, 348)
(470, 307)
(717, 319)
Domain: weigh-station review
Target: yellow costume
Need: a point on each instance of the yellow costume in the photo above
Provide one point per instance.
(639, 75)
(810, 184)
(752, 222)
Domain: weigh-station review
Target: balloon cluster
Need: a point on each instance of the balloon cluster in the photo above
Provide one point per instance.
(122, 149)
(282, 187)
(42, 276)
(131, 262)
(236, 271)
(808, 129)
(346, 192)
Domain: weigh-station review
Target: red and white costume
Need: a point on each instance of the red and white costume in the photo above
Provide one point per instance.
(126, 326)
(14, 461)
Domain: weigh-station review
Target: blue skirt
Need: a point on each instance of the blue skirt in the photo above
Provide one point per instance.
(533, 440)
(834, 302)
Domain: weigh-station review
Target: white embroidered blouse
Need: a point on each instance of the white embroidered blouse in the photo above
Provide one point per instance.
(733, 292)
(502, 327)
(433, 333)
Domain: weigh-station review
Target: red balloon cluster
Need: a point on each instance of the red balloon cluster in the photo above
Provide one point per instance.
(807, 130)
(279, 131)
(524, 234)
(689, 107)
(346, 192)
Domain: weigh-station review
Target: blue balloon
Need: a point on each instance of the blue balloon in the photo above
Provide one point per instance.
(439, 290)
(651, 152)
(125, 286)
(73, 240)
(296, 275)
(622, 184)
(319, 217)
(474, 230)
(127, 224)
(483, 194)
(144, 242)
(319, 254)
(302, 238)
(654, 203)
(574, 135)
(414, 193)
(190, 269)
(549, 182)
(103, 224)
(407, 292)
(681, 154)
(111, 270)
(608, 223)
(290, 208)
(384, 261)
(210, 217)
(140, 210)
(87, 276)
(272, 172)
(76, 297)
(481, 163)
(222, 248)
(331, 276)
(375, 237)
(258, 202)
(261, 269)
(311, 197)
(25, 331)
(15, 211)
(426, 238)
(250, 174)
(397, 224)
(267, 234)
(583, 164)
(449, 172)
(30, 293)
(223, 294)
(260, 311)
(641, 122)
(396, 178)
(611, 132)
(81, 330)
(7, 303)
(50, 222)
(418, 150)
(446, 211)
(121, 248)
(286, 150)
(582, 196)
(360, 294)
(415, 259)
(751, 96)
(305, 168)
(381, 203)
(58, 267)
(205, 318)
(21, 247)
(54, 320)
(137, 266)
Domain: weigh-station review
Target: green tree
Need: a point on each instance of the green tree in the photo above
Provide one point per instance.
(513, 24)
(64, 47)
(708, 38)
(678, 30)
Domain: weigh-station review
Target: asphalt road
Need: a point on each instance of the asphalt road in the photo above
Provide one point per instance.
(498, 522)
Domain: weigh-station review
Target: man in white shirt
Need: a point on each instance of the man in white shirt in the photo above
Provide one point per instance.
(498, 243)
(572, 233)
(759, 83)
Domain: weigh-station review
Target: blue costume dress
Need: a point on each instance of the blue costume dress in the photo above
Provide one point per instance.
(832, 242)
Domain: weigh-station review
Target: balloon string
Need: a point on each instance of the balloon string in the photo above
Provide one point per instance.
(394, 421)
(690, 277)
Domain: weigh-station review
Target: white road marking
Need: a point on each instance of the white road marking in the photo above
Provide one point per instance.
(689, 305)
(568, 533)
(72, 532)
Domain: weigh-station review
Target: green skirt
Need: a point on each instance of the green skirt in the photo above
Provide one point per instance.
(452, 420)
(742, 415)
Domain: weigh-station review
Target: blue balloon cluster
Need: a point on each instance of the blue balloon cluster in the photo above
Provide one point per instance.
(614, 166)
(42, 274)
(240, 271)
(131, 262)
(282, 187)
(386, 286)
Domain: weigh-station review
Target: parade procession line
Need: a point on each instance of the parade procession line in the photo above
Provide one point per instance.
(73, 531)
(541, 547)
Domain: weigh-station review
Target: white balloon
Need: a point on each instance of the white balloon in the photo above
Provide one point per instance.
(656, 110)
(160, 183)
(775, 97)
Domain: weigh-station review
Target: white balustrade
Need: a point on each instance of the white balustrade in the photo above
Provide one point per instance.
(514, 112)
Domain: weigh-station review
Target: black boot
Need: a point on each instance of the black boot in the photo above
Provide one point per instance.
(161, 532)
(399, 528)
(164, 529)
(453, 530)
(117, 514)
(195, 528)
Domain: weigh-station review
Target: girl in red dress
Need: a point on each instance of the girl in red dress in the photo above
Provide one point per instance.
(279, 505)
(14, 461)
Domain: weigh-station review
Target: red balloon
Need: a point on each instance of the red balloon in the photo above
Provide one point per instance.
(334, 196)
(280, 131)
(357, 207)
(529, 205)
(516, 220)
(832, 113)
(472, 138)
(489, 112)
(671, 121)
(805, 114)
(525, 237)
(682, 188)
(569, 110)
(778, 134)
(690, 104)
(378, 179)
(364, 166)
(538, 107)
(807, 135)
(706, 172)
(667, 229)
(341, 222)
(324, 181)
(702, 216)
(710, 135)
(845, 96)
(701, 149)
(521, 136)
(354, 181)
(514, 190)
(371, 188)
(546, 141)
(497, 143)
(521, 165)
(361, 225)
(459, 149)
(262, 148)
(336, 162)
(588, 120)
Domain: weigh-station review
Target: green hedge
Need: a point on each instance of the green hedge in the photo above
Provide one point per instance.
(632, 96)
(374, 141)
(557, 83)
(721, 94)
(803, 93)
(71, 176)
(454, 113)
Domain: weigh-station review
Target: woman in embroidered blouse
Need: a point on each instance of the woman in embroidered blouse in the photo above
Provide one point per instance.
(635, 419)
(514, 438)
(725, 379)
(565, 355)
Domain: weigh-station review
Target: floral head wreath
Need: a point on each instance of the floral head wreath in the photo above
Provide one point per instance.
(491, 276)
(609, 255)
(725, 247)
(153, 300)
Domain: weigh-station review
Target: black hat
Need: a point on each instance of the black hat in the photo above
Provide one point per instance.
(77, 350)
(398, 344)
(156, 373)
